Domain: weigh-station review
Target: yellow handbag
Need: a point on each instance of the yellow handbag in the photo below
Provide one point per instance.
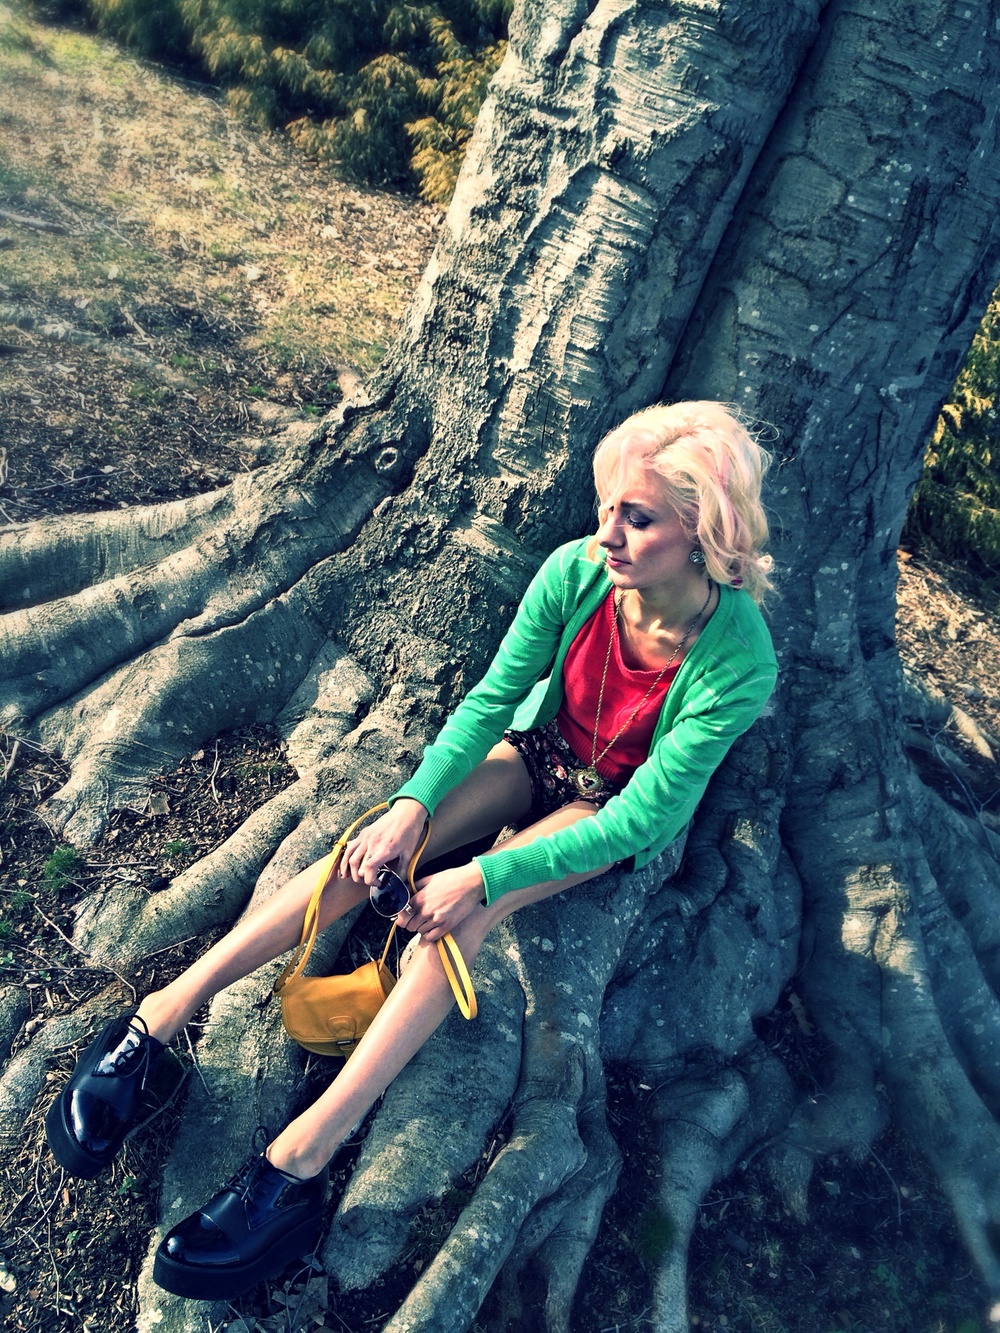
(330, 1015)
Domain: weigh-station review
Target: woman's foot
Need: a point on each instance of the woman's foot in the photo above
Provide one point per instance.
(257, 1223)
(102, 1103)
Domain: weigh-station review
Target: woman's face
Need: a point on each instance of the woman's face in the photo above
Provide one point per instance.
(641, 534)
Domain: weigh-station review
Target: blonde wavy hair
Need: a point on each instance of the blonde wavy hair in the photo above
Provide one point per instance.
(713, 469)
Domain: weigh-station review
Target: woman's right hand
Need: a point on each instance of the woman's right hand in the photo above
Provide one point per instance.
(391, 840)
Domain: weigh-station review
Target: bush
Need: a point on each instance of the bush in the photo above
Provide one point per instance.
(956, 503)
(386, 91)
(152, 27)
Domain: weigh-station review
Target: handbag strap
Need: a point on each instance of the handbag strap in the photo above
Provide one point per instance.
(458, 975)
(451, 955)
(310, 924)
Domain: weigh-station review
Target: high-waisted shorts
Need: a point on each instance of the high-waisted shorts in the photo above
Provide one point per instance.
(551, 764)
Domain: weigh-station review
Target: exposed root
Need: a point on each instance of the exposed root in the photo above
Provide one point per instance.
(126, 923)
(392, 1182)
(14, 1009)
(934, 1099)
(159, 708)
(54, 650)
(719, 940)
(41, 562)
(968, 1009)
(544, 1150)
(708, 1121)
(560, 1233)
(964, 858)
(563, 982)
(227, 1100)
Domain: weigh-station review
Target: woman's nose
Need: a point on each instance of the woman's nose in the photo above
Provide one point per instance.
(610, 533)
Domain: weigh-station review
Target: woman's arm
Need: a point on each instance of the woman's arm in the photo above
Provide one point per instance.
(525, 655)
(655, 805)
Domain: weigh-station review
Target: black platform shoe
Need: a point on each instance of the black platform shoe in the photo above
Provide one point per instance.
(102, 1103)
(257, 1223)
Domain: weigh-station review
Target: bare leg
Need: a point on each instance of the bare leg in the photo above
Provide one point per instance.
(495, 793)
(415, 1007)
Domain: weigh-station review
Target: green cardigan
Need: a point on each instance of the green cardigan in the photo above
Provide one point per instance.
(720, 689)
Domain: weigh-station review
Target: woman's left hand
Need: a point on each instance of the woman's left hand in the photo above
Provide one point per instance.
(443, 900)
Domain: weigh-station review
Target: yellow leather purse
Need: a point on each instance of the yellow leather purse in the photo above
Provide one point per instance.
(330, 1015)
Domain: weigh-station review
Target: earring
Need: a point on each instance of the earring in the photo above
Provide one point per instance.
(697, 556)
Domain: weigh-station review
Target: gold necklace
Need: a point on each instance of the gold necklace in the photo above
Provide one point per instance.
(588, 780)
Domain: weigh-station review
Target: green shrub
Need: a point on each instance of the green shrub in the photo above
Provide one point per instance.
(386, 90)
(956, 503)
(439, 140)
(152, 27)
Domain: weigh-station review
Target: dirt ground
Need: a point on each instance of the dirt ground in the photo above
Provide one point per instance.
(173, 288)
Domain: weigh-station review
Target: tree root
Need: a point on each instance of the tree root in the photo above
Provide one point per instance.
(43, 562)
(407, 1162)
(14, 1009)
(154, 711)
(964, 858)
(935, 1102)
(123, 924)
(707, 1122)
(543, 1152)
(560, 1232)
(558, 1113)
(228, 1098)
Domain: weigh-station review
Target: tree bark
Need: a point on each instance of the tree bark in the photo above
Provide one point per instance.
(791, 206)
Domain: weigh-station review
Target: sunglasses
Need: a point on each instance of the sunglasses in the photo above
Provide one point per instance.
(389, 894)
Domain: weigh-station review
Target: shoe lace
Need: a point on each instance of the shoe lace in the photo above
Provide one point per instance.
(137, 1054)
(245, 1180)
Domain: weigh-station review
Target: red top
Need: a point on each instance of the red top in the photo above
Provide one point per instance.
(623, 689)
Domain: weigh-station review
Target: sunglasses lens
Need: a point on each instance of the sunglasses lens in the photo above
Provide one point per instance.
(389, 894)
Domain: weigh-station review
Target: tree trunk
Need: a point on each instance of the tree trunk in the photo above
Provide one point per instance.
(792, 206)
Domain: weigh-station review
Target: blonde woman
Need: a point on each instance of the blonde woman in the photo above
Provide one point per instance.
(636, 658)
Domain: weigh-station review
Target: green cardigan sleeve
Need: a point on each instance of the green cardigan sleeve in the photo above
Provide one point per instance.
(526, 654)
(721, 688)
(660, 798)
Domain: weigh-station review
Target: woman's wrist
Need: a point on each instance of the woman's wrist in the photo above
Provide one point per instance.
(411, 809)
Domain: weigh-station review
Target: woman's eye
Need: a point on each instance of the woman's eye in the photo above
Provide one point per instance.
(637, 521)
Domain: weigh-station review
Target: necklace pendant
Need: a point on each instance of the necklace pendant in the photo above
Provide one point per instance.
(587, 781)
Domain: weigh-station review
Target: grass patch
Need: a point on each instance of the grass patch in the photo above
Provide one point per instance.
(152, 180)
(60, 868)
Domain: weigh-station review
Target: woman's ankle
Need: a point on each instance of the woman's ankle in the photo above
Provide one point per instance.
(303, 1162)
(162, 1019)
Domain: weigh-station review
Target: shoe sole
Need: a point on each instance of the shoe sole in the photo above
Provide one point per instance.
(76, 1160)
(225, 1283)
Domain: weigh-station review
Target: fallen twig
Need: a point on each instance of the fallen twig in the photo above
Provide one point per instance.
(38, 224)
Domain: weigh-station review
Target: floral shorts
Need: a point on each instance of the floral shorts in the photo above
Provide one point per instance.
(551, 764)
